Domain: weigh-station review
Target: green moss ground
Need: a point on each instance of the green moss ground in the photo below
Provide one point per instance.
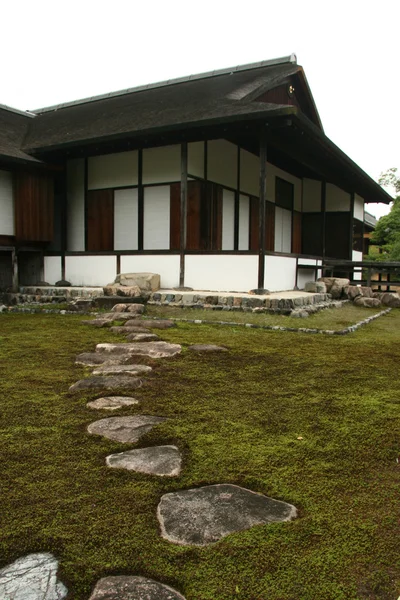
(236, 416)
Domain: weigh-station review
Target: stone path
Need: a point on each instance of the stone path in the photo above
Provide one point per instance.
(130, 370)
(164, 461)
(150, 349)
(106, 382)
(204, 515)
(112, 403)
(33, 577)
(133, 588)
(124, 429)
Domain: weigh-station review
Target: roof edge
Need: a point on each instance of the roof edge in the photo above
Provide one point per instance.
(291, 59)
(25, 113)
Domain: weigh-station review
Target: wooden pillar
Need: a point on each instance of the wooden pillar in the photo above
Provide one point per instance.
(237, 205)
(261, 215)
(64, 222)
(323, 209)
(351, 224)
(86, 205)
(140, 200)
(14, 266)
(183, 212)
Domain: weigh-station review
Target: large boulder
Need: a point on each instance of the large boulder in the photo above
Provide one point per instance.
(367, 302)
(124, 291)
(315, 287)
(352, 291)
(148, 282)
(338, 286)
(390, 299)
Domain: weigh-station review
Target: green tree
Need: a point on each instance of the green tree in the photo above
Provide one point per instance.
(387, 230)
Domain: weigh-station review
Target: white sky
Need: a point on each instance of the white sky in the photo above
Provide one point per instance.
(55, 51)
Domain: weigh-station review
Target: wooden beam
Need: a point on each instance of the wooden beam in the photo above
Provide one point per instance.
(261, 214)
(183, 212)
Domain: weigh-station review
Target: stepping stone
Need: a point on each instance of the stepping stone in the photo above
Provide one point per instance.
(112, 402)
(104, 382)
(133, 588)
(135, 322)
(97, 322)
(127, 330)
(207, 348)
(157, 323)
(124, 429)
(164, 461)
(33, 577)
(151, 349)
(142, 337)
(204, 515)
(131, 370)
(93, 359)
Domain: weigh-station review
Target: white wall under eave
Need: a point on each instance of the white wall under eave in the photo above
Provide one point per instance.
(312, 190)
(357, 256)
(228, 219)
(249, 173)
(52, 269)
(113, 170)
(7, 226)
(358, 207)
(156, 217)
(280, 273)
(272, 173)
(222, 162)
(126, 219)
(244, 222)
(162, 165)
(221, 273)
(76, 205)
(167, 266)
(196, 159)
(337, 200)
(90, 270)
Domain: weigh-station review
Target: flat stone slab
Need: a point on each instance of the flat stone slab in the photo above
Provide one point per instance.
(207, 348)
(124, 330)
(142, 337)
(112, 402)
(129, 370)
(93, 359)
(153, 323)
(133, 588)
(97, 322)
(151, 349)
(33, 577)
(127, 430)
(204, 515)
(164, 461)
(107, 382)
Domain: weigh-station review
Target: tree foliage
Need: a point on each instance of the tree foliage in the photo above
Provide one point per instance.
(387, 230)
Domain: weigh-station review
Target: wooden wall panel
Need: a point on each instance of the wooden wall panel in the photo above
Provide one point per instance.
(194, 197)
(296, 233)
(254, 218)
(269, 226)
(100, 220)
(175, 217)
(312, 224)
(337, 232)
(34, 207)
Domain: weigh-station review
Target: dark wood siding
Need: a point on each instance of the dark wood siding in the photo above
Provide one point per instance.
(34, 207)
(195, 192)
(100, 220)
(280, 95)
(254, 218)
(175, 216)
(296, 233)
(337, 231)
(312, 233)
(269, 227)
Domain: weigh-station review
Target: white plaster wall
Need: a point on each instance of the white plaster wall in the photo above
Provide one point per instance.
(52, 269)
(312, 190)
(113, 170)
(307, 261)
(222, 162)
(221, 273)
(76, 205)
(166, 266)
(337, 200)
(283, 230)
(126, 219)
(273, 172)
(357, 256)
(358, 207)
(156, 218)
(249, 173)
(162, 164)
(228, 219)
(196, 159)
(303, 276)
(280, 273)
(90, 270)
(244, 222)
(7, 226)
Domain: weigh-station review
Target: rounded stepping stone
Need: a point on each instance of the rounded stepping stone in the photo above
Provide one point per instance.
(92, 359)
(133, 588)
(131, 370)
(32, 577)
(127, 330)
(204, 515)
(112, 402)
(164, 461)
(124, 429)
(106, 382)
(207, 348)
(142, 337)
(151, 349)
(157, 323)
(97, 322)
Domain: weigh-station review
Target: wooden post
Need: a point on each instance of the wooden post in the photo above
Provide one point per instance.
(183, 209)
(323, 209)
(64, 222)
(351, 225)
(261, 214)
(14, 266)
(140, 200)
(237, 204)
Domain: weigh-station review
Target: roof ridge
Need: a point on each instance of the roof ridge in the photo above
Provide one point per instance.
(207, 74)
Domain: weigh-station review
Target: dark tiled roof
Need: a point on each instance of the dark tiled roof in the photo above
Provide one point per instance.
(207, 99)
(13, 128)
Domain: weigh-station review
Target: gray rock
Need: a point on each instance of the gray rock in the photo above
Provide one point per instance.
(151, 349)
(134, 322)
(97, 322)
(122, 329)
(133, 588)
(136, 309)
(124, 316)
(204, 515)
(103, 382)
(130, 370)
(367, 292)
(315, 287)
(164, 461)
(92, 359)
(127, 430)
(367, 302)
(149, 282)
(390, 299)
(352, 291)
(112, 403)
(119, 307)
(207, 348)
(123, 291)
(142, 337)
(33, 577)
(63, 283)
(157, 323)
(337, 287)
(260, 292)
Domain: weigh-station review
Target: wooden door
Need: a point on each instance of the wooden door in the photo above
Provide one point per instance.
(100, 220)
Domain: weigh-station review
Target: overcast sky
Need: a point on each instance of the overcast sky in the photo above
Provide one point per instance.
(53, 52)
